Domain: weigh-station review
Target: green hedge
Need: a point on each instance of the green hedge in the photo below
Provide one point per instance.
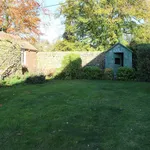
(125, 74)
(71, 66)
(143, 62)
(108, 74)
(91, 72)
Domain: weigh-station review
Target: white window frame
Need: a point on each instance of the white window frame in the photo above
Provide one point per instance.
(23, 57)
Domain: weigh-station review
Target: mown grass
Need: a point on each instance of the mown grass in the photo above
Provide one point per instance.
(75, 115)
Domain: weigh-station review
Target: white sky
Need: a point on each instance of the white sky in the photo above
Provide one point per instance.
(53, 29)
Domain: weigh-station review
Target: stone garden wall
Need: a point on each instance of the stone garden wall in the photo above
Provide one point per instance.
(51, 60)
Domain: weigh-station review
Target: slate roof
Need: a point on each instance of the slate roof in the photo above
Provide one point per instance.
(117, 45)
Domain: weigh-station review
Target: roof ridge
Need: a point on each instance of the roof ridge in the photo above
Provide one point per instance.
(23, 43)
(116, 45)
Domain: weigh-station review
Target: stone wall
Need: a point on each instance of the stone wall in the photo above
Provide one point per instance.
(52, 60)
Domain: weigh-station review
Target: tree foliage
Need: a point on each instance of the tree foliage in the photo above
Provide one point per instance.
(19, 17)
(66, 45)
(104, 22)
(43, 46)
(142, 34)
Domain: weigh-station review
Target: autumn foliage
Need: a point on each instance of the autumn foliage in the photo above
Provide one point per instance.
(20, 17)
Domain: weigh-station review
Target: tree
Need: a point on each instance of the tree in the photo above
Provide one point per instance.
(43, 46)
(142, 34)
(102, 23)
(20, 17)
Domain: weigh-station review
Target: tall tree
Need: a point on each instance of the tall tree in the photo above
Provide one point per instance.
(19, 17)
(102, 23)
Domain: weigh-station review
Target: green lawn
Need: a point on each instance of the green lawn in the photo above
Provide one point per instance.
(75, 115)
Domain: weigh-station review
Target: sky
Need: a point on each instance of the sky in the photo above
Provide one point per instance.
(51, 27)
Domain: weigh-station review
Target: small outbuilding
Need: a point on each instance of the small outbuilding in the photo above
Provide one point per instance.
(118, 56)
(28, 56)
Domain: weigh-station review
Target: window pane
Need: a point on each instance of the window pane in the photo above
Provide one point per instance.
(117, 61)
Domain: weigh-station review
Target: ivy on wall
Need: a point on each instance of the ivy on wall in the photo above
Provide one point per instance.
(10, 58)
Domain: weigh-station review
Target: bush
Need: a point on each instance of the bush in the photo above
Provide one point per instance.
(108, 74)
(91, 72)
(24, 70)
(2, 83)
(59, 74)
(35, 79)
(125, 74)
(143, 62)
(71, 66)
(16, 79)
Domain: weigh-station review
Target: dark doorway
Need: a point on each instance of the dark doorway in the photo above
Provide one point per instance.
(119, 59)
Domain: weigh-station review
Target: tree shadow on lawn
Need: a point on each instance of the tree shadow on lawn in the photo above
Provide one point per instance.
(98, 127)
(68, 72)
(17, 80)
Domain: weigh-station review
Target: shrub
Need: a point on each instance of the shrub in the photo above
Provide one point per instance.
(24, 70)
(2, 82)
(91, 72)
(125, 74)
(35, 79)
(108, 74)
(16, 79)
(59, 74)
(71, 66)
(143, 62)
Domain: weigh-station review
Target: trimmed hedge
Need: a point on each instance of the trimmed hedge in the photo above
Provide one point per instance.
(91, 72)
(125, 74)
(143, 62)
(108, 74)
(71, 65)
